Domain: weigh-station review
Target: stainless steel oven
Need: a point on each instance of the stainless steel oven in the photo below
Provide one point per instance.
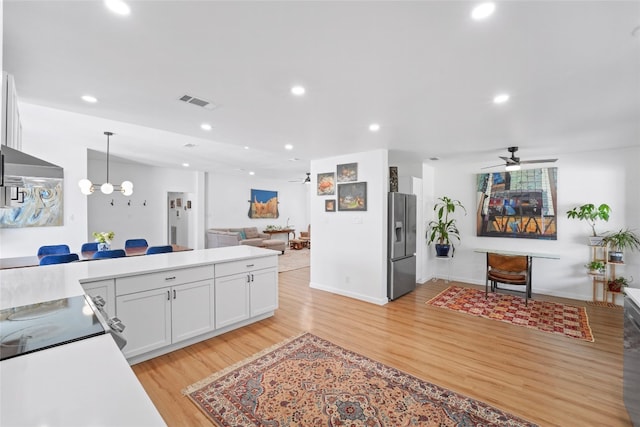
(631, 374)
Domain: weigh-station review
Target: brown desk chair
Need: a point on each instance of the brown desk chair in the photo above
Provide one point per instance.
(305, 236)
(510, 270)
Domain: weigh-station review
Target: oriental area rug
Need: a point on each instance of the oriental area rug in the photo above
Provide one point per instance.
(308, 381)
(546, 316)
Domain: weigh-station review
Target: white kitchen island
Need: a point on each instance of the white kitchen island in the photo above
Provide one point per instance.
(89, 382)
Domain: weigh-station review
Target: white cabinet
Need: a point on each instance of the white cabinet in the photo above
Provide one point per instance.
(106, 290)
(156, 316)
(245, 289)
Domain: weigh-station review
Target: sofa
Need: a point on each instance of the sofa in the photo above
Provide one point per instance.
(220, 237)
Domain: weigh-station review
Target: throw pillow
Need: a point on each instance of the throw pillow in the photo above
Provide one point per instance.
(251, 233)
(243, 236)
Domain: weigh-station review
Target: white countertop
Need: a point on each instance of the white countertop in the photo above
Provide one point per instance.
(22, 286)
(633, 294)
(88, 382)
(85, 383)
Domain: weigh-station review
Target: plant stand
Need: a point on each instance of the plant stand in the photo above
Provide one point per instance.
(449, 262)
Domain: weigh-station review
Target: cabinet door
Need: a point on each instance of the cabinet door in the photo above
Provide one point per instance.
(231, 299)
(264, 291)
(147, 320)
(192, 310)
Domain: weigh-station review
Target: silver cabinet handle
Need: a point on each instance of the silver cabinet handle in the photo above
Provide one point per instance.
(252, 277)
(249, 265)
(168, 296)
(174, 294)
(170, 278)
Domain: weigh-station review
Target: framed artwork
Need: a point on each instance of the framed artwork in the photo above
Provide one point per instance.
(330, 205)
(518, 204)
(178, 202)
(263, 204)
(326, 184)
(188, 204)
(35, 205)
(352, 197)
(348, 172)
(172, 204)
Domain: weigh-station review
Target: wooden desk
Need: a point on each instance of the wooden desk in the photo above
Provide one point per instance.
(282, 231)
(34, 260)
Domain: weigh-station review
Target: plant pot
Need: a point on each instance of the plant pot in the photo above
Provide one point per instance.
(103, 246)
(596, 240)
(614, 286)
(615, 256)
(596, 272)
(442, 250)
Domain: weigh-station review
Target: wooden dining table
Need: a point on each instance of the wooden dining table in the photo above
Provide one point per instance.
(34, 260)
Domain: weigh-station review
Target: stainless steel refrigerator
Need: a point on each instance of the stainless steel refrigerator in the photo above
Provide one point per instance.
(401, 268)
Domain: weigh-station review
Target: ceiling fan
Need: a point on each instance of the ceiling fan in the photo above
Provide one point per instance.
(307, 180)
(513, 163)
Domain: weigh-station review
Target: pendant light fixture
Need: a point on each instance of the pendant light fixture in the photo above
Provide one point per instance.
(87, 187)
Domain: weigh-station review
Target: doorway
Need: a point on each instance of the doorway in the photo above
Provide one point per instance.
(178, 209)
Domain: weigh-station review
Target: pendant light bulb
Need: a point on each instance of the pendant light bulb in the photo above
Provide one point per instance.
(86, 187)
(127, 188)
(106, 188)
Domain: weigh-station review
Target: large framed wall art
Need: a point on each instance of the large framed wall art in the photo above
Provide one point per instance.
(35, 205)
(518, 204)
(352, 197)
(263, 204)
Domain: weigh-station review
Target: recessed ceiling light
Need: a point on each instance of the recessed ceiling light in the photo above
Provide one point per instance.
(298, 90)
(246, 147)
(186, 165)
(501, 98)
(205, 126)
(118, 6)
(374, 127)
(483, 11)
(90, 99)
(189, 145)
(288, 147)
(252, 173)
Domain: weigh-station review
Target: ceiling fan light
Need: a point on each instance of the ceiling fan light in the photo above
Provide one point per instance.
(511, 168)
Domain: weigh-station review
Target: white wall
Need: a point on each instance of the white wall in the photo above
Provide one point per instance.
(228, 202)
(350, 248)
(608, 176)
(63, 138)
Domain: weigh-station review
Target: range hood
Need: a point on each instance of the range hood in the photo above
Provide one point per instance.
(19, 168)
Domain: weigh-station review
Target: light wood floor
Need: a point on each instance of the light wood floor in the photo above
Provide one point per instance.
(547, 379)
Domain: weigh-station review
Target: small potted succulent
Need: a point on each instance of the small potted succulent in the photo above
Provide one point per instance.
(596, 267)
(618, 283)
(620, 241)
(591, 213)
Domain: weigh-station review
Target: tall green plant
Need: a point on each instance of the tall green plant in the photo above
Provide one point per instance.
(444, 228)
(623, 239)
(590, 213)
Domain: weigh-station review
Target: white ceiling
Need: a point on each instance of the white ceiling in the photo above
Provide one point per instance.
(423, 70)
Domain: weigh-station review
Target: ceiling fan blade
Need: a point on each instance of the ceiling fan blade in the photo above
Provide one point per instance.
(539, 161)
(494, 166)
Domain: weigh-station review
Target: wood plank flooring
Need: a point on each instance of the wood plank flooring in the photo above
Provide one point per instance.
(547, 379)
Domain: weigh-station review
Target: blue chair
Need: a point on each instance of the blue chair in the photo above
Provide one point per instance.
(114, 253)
(59, 259)
(89, 247)
(135, 243)
(53, 250)
(159, 249)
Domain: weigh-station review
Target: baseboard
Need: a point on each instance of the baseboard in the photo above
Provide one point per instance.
(361, 297)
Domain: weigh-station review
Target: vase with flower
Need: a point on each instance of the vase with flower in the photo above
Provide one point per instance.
(104, 239)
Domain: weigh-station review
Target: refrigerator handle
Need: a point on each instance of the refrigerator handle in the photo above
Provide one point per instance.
(398, 231)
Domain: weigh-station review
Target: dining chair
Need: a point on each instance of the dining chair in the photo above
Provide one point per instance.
(53, 250)
(114, 253)
(59, 259)
(159, 249)
(509, 270)
(135, 243)
(89, 247)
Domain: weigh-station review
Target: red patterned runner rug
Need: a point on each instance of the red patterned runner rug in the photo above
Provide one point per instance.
(546, 316)
(308, 381)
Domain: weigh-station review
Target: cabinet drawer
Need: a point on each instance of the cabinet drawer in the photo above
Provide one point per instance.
(145, 282)
(243, 266)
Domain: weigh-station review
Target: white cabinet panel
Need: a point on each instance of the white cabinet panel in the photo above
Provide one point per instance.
(192, 310)
(264, 291)
(147, 319)
(232, 299)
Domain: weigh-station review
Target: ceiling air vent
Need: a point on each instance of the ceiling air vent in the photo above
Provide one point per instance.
(197, 101)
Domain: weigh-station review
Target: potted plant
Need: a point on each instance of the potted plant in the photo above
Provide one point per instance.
(596, 267)
(444, 229)
(591, 213)
(618, 283)
(619, 241)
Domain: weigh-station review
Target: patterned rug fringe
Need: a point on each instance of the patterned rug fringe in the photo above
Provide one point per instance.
(225, 371)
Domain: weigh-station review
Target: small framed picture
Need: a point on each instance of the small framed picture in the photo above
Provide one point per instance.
(188, 204)
(352, 197)
(348, 172)
(179, 202)
(330, 205)
(326, 184)
(172, 204)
